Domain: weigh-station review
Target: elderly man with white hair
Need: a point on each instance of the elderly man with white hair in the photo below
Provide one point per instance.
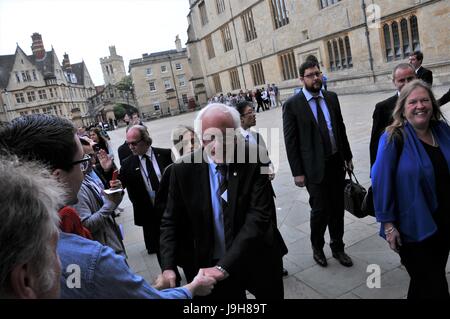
(29, 202)
(219, 215)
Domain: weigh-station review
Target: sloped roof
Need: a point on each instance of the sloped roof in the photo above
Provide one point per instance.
(46, 66)
(6, 65)
(78, 70)
(156, 55)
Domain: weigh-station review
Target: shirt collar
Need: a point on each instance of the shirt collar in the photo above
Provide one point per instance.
(149, 153)
(245, 133)
(308, 95)
(213, 165)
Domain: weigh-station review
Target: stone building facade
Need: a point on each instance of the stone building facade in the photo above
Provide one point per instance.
(113, 67)
(38, 83)
(245, 44)
(161, 82)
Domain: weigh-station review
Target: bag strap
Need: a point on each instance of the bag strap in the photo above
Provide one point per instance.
(350, 173)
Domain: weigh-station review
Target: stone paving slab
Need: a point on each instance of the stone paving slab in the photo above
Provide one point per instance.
(394, 285)
(334, 280)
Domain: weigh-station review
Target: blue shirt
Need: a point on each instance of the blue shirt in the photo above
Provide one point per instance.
(326, 114)
(103, 274)
(219, 234)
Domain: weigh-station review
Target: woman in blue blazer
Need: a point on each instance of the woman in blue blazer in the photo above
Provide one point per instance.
(411, 183)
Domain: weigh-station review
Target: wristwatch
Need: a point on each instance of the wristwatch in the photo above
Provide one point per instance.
(223, 271)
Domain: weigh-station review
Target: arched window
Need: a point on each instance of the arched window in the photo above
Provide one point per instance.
(339, 53)
(336, 55)
(396, 38)
(414, 33)
(387, 43)
(348, 51)
(330, 56)
(405, 37)
(342, 52)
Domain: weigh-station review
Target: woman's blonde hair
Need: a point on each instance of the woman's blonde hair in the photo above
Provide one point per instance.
(397, 126)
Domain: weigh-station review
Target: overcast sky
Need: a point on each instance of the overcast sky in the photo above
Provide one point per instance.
(86, 28)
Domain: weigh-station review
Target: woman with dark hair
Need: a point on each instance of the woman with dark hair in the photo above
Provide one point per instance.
(411, 179)
(101, 142)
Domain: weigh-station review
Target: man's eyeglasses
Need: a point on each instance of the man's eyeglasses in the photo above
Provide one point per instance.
(134, 143)
(312, 75)
(84, 162)
(248, 113)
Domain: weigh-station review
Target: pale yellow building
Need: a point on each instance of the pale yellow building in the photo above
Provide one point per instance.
(245, 44)
(161, 82)
(38, 83)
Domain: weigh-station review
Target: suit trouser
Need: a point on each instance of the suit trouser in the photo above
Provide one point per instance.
(425, 262)
(327, 205)
(151, 237)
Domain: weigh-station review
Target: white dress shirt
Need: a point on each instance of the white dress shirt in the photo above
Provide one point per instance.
(144, 173)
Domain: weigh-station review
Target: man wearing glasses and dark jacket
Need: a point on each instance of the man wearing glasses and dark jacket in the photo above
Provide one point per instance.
(141, 174)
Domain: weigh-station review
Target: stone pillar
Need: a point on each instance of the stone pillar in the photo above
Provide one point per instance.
(76, 117)
(200, 92)
(109, 111)
(173, 102)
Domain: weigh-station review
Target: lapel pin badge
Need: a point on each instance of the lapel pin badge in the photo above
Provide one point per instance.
(235, 174)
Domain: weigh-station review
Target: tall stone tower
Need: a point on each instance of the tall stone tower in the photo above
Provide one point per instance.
(113, 67)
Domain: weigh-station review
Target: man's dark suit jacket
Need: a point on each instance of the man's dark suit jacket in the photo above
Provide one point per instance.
(444, 98)
(187, 231)
(425, 75)
(124, 151)
(303, 140)
(382, 118)
(131, 178)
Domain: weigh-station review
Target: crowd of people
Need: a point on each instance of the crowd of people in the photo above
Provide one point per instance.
(206, 206)
(264, 98)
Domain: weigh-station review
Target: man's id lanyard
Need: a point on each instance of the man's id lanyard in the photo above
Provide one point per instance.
(150, 190)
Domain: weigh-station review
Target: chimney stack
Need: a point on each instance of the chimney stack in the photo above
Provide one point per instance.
(66, 63)
(178, 43)
(37, 46)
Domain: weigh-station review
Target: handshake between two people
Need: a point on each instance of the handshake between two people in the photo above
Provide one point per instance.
(201, 285)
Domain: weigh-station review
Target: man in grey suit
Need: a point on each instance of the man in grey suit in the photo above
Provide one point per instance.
(319, 153)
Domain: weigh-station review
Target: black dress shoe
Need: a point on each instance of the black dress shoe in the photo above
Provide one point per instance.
(319, 257)
(285, 272)
(343, 258)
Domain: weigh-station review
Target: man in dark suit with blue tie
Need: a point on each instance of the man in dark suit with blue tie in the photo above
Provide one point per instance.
(219, 215)
(140, 174)
(318, 153)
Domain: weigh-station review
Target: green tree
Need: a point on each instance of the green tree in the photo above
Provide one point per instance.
(119, 111)
(126, 84)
